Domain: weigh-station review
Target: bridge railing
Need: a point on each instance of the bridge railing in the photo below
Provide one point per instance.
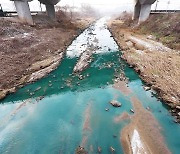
(14, 13)
(164, 11)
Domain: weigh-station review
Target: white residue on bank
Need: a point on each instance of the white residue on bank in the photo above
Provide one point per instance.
(136, 144)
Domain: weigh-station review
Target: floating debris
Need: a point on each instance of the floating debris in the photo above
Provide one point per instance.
(37, 89)
(41, 97)
(107, 109)
(81, 150)
(148, 108)
(99, 150)
(132, 110)
(112, 149)
(31, 94)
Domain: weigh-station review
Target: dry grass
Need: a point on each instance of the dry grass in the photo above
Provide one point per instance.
(166, 28)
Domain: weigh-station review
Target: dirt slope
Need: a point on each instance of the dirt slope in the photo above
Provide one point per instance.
(21, 46)
(158, 65)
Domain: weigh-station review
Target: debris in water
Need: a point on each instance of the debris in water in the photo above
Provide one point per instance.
(148, 108)
(99, 150)
(81, 150)
(41, 97)
(112, 149)
(84, 61)
(107, 109)
(31, 94)
(37, 89)
(132, 110)
(115, 103)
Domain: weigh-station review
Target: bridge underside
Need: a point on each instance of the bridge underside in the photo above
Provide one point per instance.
(142, 9)
(23, 10)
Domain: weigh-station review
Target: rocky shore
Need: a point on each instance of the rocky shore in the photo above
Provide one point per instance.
(157, 65)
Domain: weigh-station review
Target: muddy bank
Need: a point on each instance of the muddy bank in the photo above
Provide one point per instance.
(25, 50)
(157, 65)
(143, 133)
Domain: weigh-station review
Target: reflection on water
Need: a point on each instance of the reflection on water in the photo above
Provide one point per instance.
(62, 111)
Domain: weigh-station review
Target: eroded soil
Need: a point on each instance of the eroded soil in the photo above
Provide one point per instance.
(158, 66)
(21, 46)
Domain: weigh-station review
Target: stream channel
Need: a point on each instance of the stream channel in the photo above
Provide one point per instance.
(61, 111)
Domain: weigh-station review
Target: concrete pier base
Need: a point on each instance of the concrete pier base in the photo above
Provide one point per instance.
(50, 10)
(145, 12)
(23, 11)
(137, 10)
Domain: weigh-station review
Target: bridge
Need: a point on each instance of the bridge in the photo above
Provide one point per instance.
(142, 9)
(24, 13)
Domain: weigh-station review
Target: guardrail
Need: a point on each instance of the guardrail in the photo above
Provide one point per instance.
(14, 13)
(164, 11)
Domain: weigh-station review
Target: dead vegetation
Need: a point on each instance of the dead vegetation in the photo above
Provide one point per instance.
(164, 27)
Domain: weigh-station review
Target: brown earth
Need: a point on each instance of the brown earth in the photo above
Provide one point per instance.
(23, 46)
(157, 65)
(164, 27)
(148, 129)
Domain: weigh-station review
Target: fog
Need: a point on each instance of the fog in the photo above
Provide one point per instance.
(104, 6)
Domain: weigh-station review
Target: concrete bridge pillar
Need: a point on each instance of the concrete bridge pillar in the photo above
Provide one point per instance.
(141, 12)
(145, 12)
(142, 9)
(137, 10)
(23, 11)
(50, 10)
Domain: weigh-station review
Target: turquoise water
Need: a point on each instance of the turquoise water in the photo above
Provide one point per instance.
(60, 112)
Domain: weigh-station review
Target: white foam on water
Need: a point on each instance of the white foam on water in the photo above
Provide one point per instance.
(96, 36)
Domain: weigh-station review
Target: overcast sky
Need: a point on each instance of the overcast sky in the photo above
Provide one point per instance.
(102, 5)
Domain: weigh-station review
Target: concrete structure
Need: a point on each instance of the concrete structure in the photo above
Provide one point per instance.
(142, 9)
(50, 7)
(23, 10)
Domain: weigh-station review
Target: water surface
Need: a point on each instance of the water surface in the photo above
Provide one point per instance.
(60, 112)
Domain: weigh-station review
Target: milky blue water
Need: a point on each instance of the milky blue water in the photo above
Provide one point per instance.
(60, 112)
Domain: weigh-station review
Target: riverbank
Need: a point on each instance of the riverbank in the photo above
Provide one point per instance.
(143, 133)
(157, 65)
(29, 53)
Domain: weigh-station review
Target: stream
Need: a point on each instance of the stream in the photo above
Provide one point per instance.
(61, 111)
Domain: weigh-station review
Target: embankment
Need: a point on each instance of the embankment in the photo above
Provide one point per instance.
(157, 64)
(31, 52)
